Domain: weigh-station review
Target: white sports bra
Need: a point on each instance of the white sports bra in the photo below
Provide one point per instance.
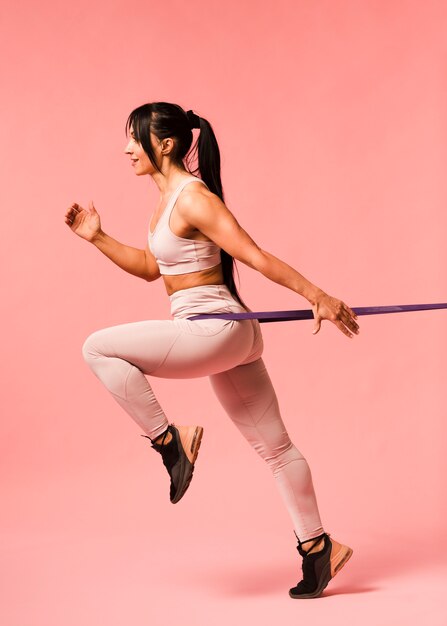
(179, 255)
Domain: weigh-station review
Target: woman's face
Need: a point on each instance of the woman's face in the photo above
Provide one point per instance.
(139, 159)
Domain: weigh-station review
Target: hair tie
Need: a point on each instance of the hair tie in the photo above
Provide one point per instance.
(194, 120)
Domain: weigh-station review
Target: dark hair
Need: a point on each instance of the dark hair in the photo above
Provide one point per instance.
(164, 119)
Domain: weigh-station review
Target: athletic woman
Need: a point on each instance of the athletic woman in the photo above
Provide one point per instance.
(193, 240)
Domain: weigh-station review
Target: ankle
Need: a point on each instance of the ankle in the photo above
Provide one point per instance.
(314, 548)
(315, 544)
(164, 438)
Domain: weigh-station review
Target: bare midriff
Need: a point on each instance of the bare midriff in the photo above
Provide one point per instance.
(210, 276)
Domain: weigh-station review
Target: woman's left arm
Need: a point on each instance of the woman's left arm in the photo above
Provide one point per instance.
(207, 213)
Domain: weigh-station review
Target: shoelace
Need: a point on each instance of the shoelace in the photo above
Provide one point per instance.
(314, 539)
(153, 440)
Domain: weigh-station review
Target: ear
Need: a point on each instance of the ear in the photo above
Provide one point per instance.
(166, 145)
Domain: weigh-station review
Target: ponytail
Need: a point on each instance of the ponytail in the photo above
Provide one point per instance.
(208, 157)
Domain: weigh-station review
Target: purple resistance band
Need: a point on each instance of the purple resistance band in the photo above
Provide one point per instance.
(307, 314)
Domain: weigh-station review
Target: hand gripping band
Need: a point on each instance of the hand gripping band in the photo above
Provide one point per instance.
(307, 314)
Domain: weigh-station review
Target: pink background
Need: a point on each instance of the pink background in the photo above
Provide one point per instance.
(331, 119)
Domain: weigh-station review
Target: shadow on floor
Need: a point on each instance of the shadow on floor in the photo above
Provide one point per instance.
(363, 573)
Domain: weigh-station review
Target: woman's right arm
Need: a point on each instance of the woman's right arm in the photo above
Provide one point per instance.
(138, 262)
(87, 224)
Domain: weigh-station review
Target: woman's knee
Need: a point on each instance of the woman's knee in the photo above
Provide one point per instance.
(91, 346)
(282, 456)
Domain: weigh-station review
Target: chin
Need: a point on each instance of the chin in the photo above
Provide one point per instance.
(141, 172)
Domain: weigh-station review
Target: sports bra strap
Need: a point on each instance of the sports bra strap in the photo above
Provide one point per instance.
(176, 193)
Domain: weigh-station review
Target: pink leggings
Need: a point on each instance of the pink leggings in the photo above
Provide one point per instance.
(229, 352)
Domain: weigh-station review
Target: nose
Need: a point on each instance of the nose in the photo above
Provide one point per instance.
(126, 149)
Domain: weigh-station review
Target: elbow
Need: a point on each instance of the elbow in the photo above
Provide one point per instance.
(151, 277)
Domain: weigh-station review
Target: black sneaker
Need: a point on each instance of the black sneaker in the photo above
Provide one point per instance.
(179, 456)
(319, 567)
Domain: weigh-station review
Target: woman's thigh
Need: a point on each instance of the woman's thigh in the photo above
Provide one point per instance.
(177, 348)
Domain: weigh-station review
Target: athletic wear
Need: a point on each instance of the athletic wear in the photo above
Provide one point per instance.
(229, 352)
(178, 255)
(319, 567)
(179, 456)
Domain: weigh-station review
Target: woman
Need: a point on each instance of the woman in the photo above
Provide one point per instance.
(192, 242)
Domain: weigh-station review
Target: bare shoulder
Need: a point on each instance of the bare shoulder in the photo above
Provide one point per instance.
(197, 200)
(195, 190)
